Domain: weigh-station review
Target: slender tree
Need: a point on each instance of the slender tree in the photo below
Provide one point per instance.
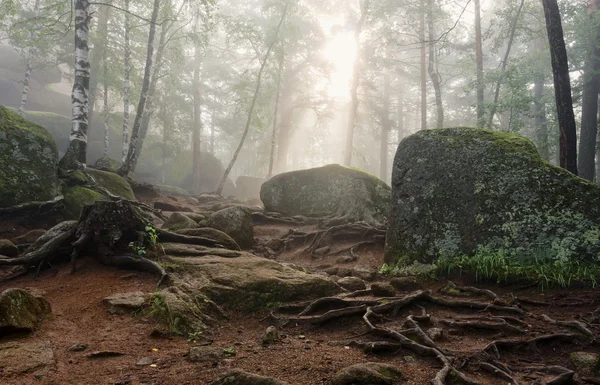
(133, 153)
(276, 108)
(252, 104)
(105, 92)
(479, 61)
(386, 125)
(354, 86)
(98, 53)
(29, 65)
(562, 87)
(423, 66)
(126, 81)
(433, 73)
(197, 118)
(75, 157)
(589, 106)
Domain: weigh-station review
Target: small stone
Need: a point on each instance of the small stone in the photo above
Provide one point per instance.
(125, 302)
(239, 377)
(345, 259)
(22, 311)
(301, 337)
(78, 347)
(8, 249)
(586, 363)
(206, 354)
(435, 334)
(271, 335)
(105, 354)
(333, 270)
(381, 289)
(405, 283)
(352, 283)
(364, 274)
(145, 361)
(369, 373)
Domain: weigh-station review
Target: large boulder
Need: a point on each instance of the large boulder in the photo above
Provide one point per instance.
(457, 191)
(28, 161)
(21, 311)
(178, 221)
(114, 183)
(326, 191)
(236, 222)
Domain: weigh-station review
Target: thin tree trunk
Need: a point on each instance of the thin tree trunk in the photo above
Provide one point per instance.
(166, 127)
(589, 105)
(385, 126)
(354, 87)
(400, 117)
(106, 127)
(98, 52)
(126, 84)
(197, 121)
(479, 60)
(513, 30)
(541, 123)
(253, 103)
(75, 157)
(423, 67)
(29, 67)
(212, 133)
(276, 111)
(562, 87)
(598, 150)
(133, 153)
(433, 74)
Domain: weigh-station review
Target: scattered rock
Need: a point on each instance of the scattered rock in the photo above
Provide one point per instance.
(28, 159)
(364, 274)
(333, 270)
(586, 363)
(78, 347)
(114, 183)
(21, 311)
(8, 249)
(435, 334)
(105, 354)
(271, 335)
(178, 221)
(197, 217)
(237, 223)
(275, 244)
(206, 354)
(322, 250)
(145, 361)
(29, 237)
(76, 197)
(352, 283)
(513, 202)
(168, 206)
(214, 234)
(326, 191)
(382, 289)
(369, 373)
(126, 302)
(345, 259)
(107, 164)
(239, 377)
(26, 358)
(405, 283)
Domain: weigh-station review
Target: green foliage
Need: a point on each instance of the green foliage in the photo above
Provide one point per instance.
(230, 351)
(194, 336)
(499, 267)
(159, 310)
(150, 242)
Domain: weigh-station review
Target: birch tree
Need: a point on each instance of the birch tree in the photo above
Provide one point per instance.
(126, 81)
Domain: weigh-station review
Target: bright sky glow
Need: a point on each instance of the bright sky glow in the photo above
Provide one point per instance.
(340, 51)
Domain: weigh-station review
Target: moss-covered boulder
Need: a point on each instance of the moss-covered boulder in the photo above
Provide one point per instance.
(369, 373)
(21, 311)
(114, 183)
(239, 377)
(28, 161)
(8, 249)
(327, 191)
(458, 191)
(108, 164)
(76, 197)
(236, 222)
(178, 221)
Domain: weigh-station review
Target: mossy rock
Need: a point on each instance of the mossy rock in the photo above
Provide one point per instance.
(460, 190)
(108, 164)
(76, 197)
(178, 221)
(214, 234)
(239, 377)
(369, 373)
(8, 249)
(172, 190)
(28, 161)
(326, 191)
(21, 311)
(114, 183)
(236, 222)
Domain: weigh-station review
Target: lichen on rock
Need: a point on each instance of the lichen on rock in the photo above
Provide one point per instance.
(28, 161)
(460, 190)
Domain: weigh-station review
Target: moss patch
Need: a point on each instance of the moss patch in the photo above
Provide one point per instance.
(460, 190)
(112, 182)
(78, 196)
(28, 161)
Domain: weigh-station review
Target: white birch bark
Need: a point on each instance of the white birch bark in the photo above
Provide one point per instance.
(126, 84)
(29, 67)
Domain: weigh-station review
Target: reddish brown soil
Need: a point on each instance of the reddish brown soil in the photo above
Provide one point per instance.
(307, 355)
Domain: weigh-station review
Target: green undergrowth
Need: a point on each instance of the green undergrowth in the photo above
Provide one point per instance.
(498, 267)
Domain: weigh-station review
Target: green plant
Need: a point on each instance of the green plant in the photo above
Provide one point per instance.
(159, 310)
(385, 269)
(193, 337)
(229, 351)
(137, 248)
(151, 236)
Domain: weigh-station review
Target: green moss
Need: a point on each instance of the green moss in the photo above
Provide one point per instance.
(76, 197)
(458, 190)
(112, 182)
(28, 161)
(174, 190)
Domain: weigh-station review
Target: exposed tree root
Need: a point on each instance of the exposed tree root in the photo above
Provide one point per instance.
(500, 325)
(470, 289)
(579, 326)
(167, 236)
(496, 371)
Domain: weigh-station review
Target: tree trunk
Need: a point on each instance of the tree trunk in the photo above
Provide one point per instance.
(98, 52)
(562, 87)
(253, 103)
(276, 111)
(133, 153)
(433, 73)
(541, 123)
(75, 157)
(423, 67)
(106, 127)
(197, 129)
(126, 83)
(589, 107)
(354, 87)
(212, 133)
(385, 127)
(400, 117)
(29, 66)
(479, 60)
(511, 38)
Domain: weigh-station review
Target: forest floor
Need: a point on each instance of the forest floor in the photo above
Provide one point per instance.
(307, 354)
